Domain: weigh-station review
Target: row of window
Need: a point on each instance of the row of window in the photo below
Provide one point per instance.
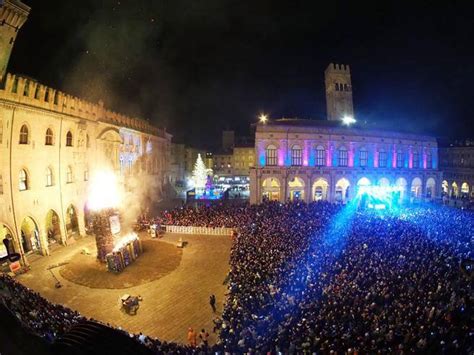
(343, 157)
(49, 137)
(24, 179)
(342, 87)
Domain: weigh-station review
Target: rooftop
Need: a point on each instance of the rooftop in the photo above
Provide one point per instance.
(358, 127)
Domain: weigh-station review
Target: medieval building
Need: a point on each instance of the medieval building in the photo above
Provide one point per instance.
(51, 143)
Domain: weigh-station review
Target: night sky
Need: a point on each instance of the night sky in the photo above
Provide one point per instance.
(197, 67)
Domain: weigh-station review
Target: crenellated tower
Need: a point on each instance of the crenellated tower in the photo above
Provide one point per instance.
(13, 14)
(338, 92)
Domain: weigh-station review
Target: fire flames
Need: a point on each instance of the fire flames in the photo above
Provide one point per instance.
(103, 191)
(124, 241)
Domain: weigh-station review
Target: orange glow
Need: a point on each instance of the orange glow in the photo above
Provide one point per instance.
(103, 191)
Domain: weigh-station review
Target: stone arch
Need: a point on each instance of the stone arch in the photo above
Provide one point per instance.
(110, 133)
(342, 190)
(109, 142)
(430, 187)
(384, 182)
(72, 221)
(455, 189)
(271, 189)
(296, 187)
(416, 187)
(401, 184)
(445, 187)
(364, 181)
(6, 232)
(53, 227)
(30, 235)
(320, 190)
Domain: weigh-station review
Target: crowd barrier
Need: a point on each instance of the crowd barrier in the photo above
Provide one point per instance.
(199, 230)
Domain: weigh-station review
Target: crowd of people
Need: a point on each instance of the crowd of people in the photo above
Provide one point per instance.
(326, 278)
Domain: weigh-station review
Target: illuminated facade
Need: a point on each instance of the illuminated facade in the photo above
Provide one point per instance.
(323, 160)
(243, 160)
(50, 143)
(457, 164)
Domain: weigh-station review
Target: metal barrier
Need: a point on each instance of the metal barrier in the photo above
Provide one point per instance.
(199, 230)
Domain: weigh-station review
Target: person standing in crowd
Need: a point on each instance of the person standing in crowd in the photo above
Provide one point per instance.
(204, 336)
(212, 302)
(191, 337)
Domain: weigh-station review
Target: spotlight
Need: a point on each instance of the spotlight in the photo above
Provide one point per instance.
(348, 120)
(263, 118)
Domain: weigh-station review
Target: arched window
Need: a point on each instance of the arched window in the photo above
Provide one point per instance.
(24, 134)
(86, 174)
(296, 155)
(343, 156)
(337, 86)
(88, 142)
(69, 175)
(416, 159)
(49, 137)
(271, 155)
(23, 180)
(363, 157)
(49, 177)
(1, 184)
(382, 158)
(320, 156)
(69, 139)
(399, 158)
(1, 131)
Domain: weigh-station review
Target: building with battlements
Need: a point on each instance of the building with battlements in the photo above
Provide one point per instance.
(52, 142)
(314, 160)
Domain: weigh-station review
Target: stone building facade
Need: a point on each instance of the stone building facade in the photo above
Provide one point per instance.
(457, 164)
(51, 143)
(243, 160)
(323, 160)
(314, 160)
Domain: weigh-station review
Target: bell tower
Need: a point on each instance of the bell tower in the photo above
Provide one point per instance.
(337, 78)
(13, 14)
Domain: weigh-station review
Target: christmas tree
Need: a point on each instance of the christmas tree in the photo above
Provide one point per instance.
(199, 174)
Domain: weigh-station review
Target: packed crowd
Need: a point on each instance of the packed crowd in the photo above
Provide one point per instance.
(330, 279)
(327, 278)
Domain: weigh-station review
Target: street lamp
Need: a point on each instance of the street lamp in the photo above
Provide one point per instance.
(348, 120)
(263, 118)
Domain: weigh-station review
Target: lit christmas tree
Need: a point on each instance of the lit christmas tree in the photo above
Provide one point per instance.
(199, 174)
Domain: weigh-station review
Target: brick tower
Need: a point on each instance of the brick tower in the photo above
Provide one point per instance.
(13, 14)
(337, 78)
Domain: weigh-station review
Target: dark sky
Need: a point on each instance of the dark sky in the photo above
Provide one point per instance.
(197, 67)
